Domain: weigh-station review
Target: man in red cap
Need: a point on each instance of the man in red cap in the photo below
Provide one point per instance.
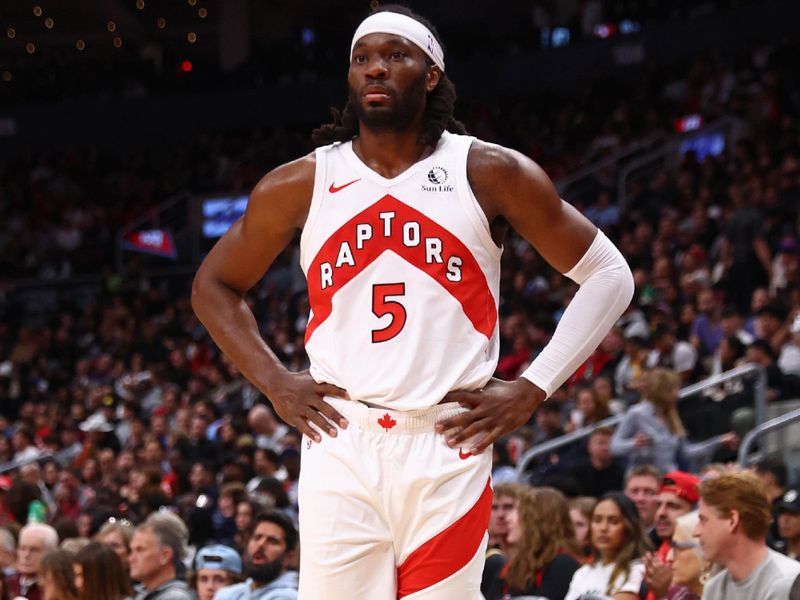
(678, 496)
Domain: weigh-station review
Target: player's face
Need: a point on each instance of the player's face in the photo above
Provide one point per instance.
(389, 78)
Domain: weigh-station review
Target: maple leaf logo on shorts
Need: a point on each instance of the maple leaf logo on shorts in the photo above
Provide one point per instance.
(387, 422)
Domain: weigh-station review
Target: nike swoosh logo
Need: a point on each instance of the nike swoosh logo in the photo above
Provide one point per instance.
(463, 455)
(333, 189)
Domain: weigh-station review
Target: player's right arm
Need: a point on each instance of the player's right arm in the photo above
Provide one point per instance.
(277, 209)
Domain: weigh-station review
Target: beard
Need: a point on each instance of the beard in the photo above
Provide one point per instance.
(265, 573)
(399, 115)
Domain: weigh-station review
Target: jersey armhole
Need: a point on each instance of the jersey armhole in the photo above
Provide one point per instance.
(320, 168)
(470, 203)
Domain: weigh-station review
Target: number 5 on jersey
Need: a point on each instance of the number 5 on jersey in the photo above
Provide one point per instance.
(381, 306)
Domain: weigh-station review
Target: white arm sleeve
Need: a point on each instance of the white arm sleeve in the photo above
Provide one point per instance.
(606, 290)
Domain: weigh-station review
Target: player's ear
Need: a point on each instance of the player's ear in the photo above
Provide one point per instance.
(432, 80)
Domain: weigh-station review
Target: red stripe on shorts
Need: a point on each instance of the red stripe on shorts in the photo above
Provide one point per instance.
(448, 552)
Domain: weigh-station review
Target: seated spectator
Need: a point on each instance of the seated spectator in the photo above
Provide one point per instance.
(601, 472)
(3, 587)
(689, 568)
(117, 535)
(270, 549)
(733, 522)
(8, 552)
(789, 358)
(652, 431)
(589, 408)
(158, 546)
(789, 522)
(504, 500)
(618, 544)
(543, 551)
(103, 574)
(642, 485)
(580, 513)
(57, 577)
(678, 497)
(761, 353)
(670, 353)
(629, 373)
(35, 540)
(215, 567)
(773, 474)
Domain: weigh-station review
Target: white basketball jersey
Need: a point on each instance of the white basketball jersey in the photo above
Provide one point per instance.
(403, 278)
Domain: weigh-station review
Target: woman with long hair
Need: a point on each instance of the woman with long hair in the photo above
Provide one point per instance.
(543, 553)
(103, 573)
(618, 544)
(652, 431)
(57, 576)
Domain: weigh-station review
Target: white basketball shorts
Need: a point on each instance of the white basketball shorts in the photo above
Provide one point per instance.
(388, 510)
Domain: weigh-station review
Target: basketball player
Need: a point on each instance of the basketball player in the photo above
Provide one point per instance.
(402, 260)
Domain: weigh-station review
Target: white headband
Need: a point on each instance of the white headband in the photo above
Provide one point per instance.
(397, 24)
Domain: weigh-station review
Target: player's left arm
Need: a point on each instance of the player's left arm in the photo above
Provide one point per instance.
(508, 184)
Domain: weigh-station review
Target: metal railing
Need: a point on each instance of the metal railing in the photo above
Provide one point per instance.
(778, 422)
(759, 401)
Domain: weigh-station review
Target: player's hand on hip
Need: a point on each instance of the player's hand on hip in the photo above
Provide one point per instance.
(297, 399)
(500, 407)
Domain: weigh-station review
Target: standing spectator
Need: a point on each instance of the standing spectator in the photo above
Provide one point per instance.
(688, 565)
(215, 567)
(789, 522)
(734, 520)
(642, 486)
(678, 497)
(545, 553)
(580, 512)
(601, 473)
(271, 547)
(103, 573)
(618, 545)
(652, 431)
(35, 540)
(57, 577)
(157, 548)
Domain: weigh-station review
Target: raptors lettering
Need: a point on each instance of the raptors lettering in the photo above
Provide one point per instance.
(390, 225)
(363, 233)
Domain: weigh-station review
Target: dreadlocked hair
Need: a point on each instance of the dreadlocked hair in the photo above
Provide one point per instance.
(439, 108)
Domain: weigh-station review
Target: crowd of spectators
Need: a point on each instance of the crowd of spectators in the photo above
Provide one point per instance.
(130, 429)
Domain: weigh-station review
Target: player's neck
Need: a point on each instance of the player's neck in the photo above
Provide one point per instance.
(389, 153)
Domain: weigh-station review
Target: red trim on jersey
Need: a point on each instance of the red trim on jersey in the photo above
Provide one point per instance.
(448, 552)
(472, 291)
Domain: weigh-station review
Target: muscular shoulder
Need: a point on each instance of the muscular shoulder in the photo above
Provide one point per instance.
(287, 190)
(499, 176)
